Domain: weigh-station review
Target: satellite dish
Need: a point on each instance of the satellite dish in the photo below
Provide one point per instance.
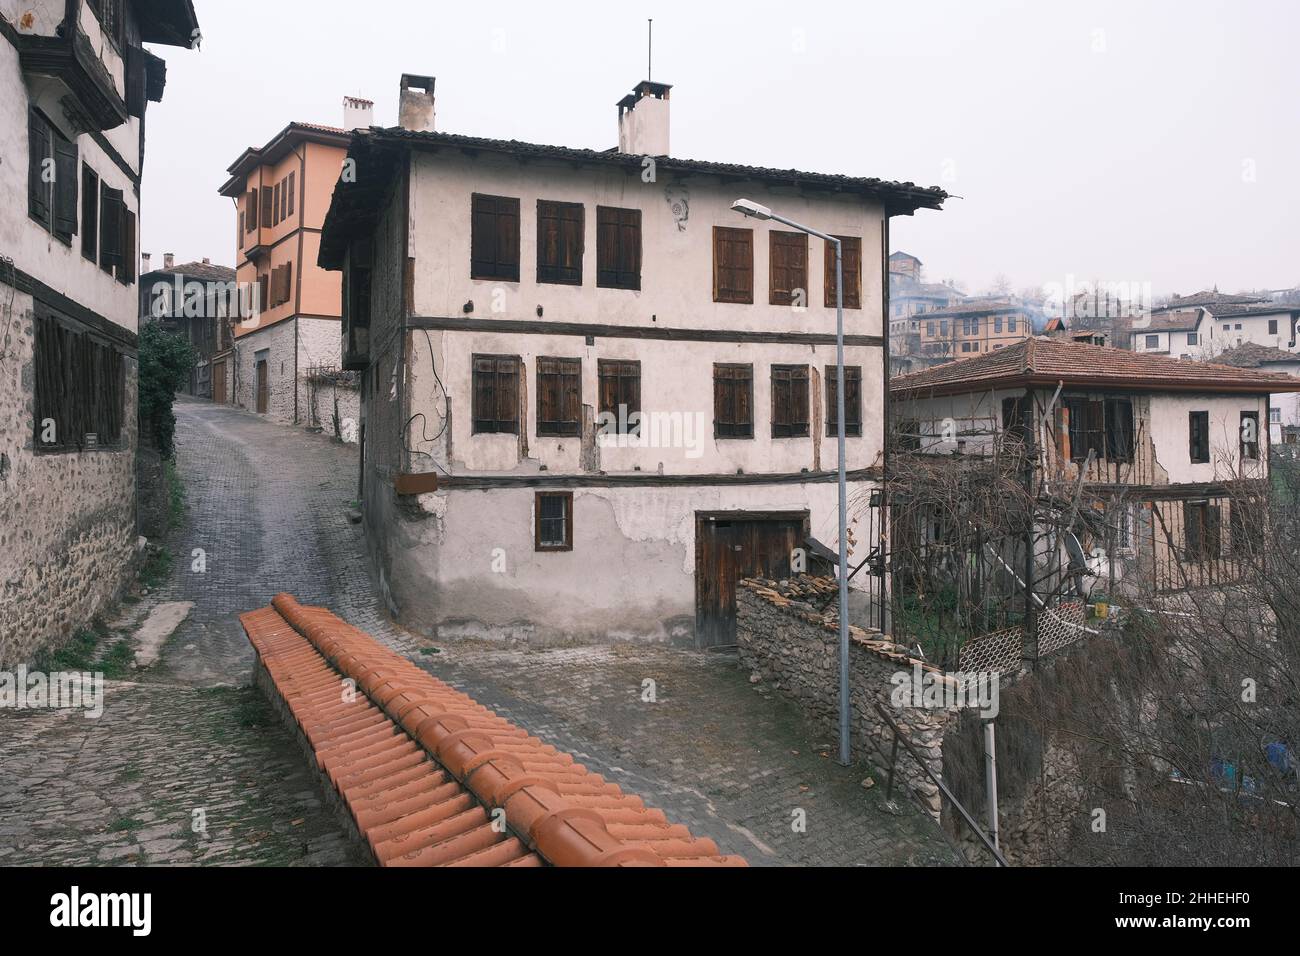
(1078, 559)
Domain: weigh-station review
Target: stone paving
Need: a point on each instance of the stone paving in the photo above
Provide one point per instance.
(267, 506)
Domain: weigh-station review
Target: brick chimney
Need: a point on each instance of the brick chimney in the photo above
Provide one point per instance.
(643, 120)
(415, 110)
(169, 259)
(358, 113)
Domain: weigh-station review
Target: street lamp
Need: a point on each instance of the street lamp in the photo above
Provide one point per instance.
(747, 207)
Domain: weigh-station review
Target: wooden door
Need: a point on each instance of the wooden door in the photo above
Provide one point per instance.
(731, 546)
(219, 383)
(263, 387)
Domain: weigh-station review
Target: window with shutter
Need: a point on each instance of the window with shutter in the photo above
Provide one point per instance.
(40, 169)
(851, 253)
(554, 521)
(268, 206)
(852, 402)
(559, 396)
(79, 383)
(263, 292)
(733, 401)
(788, 268)
(618, 248)
(284, 199)
(250, 206)
(495, 400)
(277, 196)
(620, 394)
(110, 228)
(494, 238)
(559, 242)
(89, 214)
(1198, 437)
(789, 401)
(1087, 428)
(733, 265)
(66, 180)
(1119, 430)
(127, 267)
(292, 190)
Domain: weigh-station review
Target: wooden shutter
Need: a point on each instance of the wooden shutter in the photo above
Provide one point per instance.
(39, 153)
(733, 265)
(494, 237)
(110, 228)
(263, 292)
(277, 200)
(618, 248)
(1119, 430)
(1096, 412)
(66, 181)
(559, 396)
(127, 267)
(788, 268)
(851, 252)
(292, 190)
(852, 402)
(136, 70)
(620, 388)
(288, 282)
(733, 410)
(268, 206)
(250, 206)
(559, 242)
(789, 401)
(284, 199)
(89, 214)
(494, 403)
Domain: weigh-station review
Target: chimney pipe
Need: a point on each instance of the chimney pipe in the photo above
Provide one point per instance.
(415, 110)
(169, 259)
(144, 258)
(358, 113)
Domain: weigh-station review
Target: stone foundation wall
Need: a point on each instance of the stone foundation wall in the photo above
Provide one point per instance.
(67, 519)
(785, 640)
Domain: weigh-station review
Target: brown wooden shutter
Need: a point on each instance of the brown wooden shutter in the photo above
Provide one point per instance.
(852, 256)
(263, 292)
(89, 214)
(733, 265)
(110, 228)
(788, 268)
(559, 396)
(284, 199)
(789, 401)
(250, 205)
(268, 206)
(618, 248)
(293, 190)
(66, 181)
(733, 412)
(494, 237)
(127, 268)
(494, 402)
(620, 392)
(39, 153)
(852, 401)
(559, 242)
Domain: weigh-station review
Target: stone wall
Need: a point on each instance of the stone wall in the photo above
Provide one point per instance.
(323, 394)
(67, 519)
(278, 342)
(784, 639)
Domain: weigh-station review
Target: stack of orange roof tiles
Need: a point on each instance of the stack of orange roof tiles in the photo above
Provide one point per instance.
(432, 778)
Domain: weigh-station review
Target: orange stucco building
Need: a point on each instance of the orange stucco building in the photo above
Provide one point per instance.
(288, 343)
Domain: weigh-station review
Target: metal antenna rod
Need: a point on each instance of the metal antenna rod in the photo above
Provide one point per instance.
(650, 47)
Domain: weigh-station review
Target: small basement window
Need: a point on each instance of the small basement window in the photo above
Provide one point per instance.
(554, 521)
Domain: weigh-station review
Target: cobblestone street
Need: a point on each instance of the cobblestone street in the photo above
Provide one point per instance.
(267, 507)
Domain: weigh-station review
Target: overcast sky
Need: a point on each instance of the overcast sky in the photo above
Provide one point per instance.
(1137, 142)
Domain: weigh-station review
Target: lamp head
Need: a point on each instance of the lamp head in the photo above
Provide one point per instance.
(747, 207)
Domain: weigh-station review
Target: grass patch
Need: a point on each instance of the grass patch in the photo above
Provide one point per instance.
(156, 567)
(125, 824)
(118, 662)
(430, 650)
(175, 496)
(76, 655)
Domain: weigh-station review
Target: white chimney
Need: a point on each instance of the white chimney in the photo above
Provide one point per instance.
(169, 259)
(358, 113)
(145, 257)
(415, 110)
(643, 120)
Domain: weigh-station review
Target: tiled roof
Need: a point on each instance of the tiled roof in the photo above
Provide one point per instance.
(1181, 321)
(198, 270)
(1043, 361)
(277, 148)
(1207, 297)
(1231, 310)
(1252, 355)
(423, 769)
(981, 307)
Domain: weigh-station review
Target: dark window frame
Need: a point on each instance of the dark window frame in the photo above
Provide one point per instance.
(1198, 437)
(503, 367)
(1249, 451)
(89, 213)
(539, 542)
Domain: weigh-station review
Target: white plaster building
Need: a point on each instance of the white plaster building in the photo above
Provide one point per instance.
(75, 81)
(500, 298)
(1157, 443)
(1203, 325)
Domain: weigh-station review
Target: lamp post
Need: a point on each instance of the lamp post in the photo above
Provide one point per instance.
(752, 209)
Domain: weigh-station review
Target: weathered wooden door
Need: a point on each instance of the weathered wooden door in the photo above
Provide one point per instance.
(731, 546)
(263, 387)
(219, 383)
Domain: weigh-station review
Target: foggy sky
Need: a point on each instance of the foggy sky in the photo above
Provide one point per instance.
(1137, 142)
